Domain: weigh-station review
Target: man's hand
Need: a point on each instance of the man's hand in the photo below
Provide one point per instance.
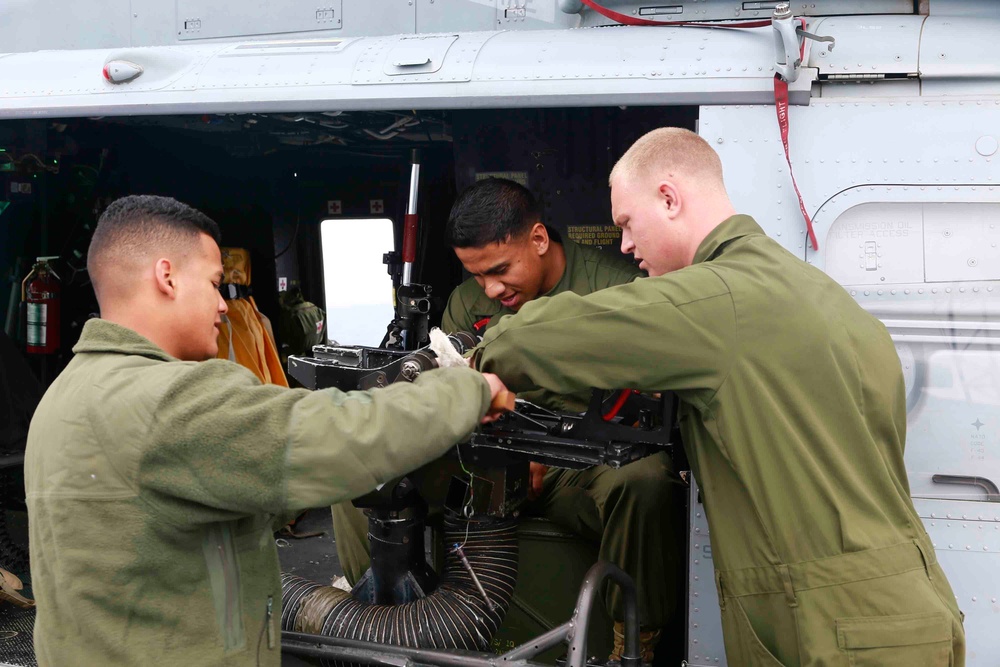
(536, 478)
(497, 390)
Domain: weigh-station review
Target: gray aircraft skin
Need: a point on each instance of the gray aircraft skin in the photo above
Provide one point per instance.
(894, 131)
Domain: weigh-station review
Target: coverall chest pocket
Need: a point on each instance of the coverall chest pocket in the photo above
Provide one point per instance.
(913, 640)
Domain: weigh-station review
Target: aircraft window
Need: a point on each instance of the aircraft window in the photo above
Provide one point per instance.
(358, 288)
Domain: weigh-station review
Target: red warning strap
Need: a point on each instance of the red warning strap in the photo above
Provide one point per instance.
(781, 105)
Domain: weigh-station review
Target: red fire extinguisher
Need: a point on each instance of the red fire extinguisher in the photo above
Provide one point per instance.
(40, 293)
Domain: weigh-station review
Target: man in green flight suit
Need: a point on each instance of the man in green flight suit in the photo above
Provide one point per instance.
(154, 477)
(792, 413)
(496, 231)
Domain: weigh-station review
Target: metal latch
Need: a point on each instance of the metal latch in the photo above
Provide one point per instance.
(418, 54)
(786, 42)
(658, 11)
(411, 60)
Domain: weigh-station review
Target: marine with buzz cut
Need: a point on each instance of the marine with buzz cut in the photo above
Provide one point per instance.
(156, 475)
(792, 413)
(630, 513)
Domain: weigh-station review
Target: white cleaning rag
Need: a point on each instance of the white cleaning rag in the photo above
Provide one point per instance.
(447, 355)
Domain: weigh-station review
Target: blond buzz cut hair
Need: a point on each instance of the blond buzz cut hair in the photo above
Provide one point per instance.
(670, 151)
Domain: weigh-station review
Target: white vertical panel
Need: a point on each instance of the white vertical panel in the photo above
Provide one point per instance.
(358, 289)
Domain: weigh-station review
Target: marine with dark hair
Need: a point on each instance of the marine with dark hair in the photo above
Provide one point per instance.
(155, 478)
(491, 211)
(496, 230)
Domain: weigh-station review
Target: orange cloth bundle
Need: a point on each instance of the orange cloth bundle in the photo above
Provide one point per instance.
(246, 336)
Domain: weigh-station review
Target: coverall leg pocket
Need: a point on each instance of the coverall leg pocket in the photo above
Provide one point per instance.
(913, 640)
(743, 647)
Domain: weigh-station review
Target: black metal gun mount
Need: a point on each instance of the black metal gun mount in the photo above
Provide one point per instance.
(483, 481)
(350, 367)
(635, 426)
(488, 475)
(409, 330)
(640, 427)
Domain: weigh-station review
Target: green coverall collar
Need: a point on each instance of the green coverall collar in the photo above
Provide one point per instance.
(728, 230)
(101, 336)
(562, 285)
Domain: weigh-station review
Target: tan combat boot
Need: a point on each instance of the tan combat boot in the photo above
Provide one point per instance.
(647, 643)
(9, 587)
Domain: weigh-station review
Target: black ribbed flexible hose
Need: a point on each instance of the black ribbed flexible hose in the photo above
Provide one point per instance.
(453, 616)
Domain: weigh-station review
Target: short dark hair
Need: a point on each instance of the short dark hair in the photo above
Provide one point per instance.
(491, 211)
(137, 224)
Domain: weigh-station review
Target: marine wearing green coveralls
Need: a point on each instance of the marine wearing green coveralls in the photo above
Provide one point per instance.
(628, 512)
(793, 416)
(153, 484)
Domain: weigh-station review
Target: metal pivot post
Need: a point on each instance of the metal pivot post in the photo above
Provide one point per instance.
(410, 221)
(786, 43)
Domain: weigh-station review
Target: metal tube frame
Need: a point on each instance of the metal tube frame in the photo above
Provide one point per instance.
(411, 209)
(573, 632)
(585, 602)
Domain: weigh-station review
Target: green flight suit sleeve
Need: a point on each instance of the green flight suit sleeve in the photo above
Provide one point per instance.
(223, 441)
(653, 334)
